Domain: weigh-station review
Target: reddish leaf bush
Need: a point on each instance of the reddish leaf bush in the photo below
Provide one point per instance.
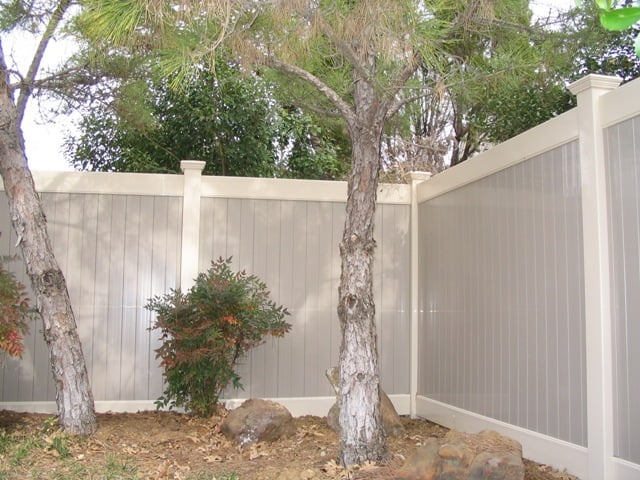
(207, 330)
(14, 313)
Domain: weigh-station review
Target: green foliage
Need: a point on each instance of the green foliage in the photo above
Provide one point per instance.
(27, 15)
(314, 152)
(130, 14)
(21, 451)
(226, 118)
(61, 446)
(14, 313)
(117, 468)
(617, 18)
(206, 331)
(492, 67)
(514, 110)
(585, 47)
(231, 476)
(211, 476)
(620, 18)
(582, 46)
(23, 446)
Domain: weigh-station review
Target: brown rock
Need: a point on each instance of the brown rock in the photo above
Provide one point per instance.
(258, 420)
(455, 456)
(461, 456)
(490, 466)
(423, 464)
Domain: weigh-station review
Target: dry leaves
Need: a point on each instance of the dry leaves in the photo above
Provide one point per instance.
(170, 446)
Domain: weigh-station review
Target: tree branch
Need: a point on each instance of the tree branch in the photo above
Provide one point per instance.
(346, 111)
(390, 101)
(27, 84)
(401, 102)
(323, 111)
(345, 49)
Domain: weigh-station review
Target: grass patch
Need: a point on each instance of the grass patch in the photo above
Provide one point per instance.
(44, 451)
(47, 453)
(118, 468)
(211, 476)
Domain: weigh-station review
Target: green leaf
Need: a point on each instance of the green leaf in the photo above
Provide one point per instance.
(637, 45)
(620, 18)
(604, 4)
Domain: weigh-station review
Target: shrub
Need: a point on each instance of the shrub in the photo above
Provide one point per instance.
(14, 313)
(206, 331)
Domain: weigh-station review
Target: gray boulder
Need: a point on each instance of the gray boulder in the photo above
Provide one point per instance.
(460, 456)
(258, 420)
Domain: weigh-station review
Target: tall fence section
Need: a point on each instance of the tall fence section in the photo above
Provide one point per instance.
(123, 238)
(506, 288)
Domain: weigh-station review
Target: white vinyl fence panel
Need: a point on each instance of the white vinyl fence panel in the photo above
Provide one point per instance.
(623, 161)
(502, 329)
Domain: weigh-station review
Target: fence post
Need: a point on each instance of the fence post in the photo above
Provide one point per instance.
(190, 221)
(596, 272)
(416, 179)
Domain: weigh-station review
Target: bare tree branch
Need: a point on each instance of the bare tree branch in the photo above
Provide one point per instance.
(322, 111)
(401, 102)
(345, 49)
(346, 111)
(390, 101)
(27, 84)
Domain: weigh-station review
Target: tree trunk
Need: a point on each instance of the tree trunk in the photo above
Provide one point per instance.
(73, 394)
(362, 436)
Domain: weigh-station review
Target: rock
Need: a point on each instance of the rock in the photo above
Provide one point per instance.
(333, 375)
(421, 464)
(390, 419)
(460, 456)
(258, 420)
(333, 417)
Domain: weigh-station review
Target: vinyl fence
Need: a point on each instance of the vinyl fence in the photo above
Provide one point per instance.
(506, 287)
(529, 270)
(124, 238)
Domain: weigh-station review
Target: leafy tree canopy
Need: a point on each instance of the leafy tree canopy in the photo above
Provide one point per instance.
(226, 118)
(575, 46)
(619, 16)
(490, 86)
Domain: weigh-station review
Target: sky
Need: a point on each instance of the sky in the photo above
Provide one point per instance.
(44, 141)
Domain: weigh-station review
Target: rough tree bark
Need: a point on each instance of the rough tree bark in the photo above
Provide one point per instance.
(73, 394)
(362, 436)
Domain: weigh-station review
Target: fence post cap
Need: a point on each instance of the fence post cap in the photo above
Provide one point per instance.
(593, 80)
(419, 176)
(192, 165)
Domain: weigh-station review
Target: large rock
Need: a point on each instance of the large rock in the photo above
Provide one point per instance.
(390, 419)
(258, 420)
(460, 456)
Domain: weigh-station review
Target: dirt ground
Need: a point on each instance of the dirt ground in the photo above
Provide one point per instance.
(164, 445)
